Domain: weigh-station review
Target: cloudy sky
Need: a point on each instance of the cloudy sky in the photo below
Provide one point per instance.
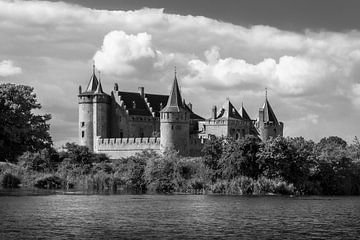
(307, 55)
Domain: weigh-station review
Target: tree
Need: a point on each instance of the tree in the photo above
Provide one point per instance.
(21, 129)
(239, 158)
(81, 156)
(291, 159)
(46, 160)
(212, 151)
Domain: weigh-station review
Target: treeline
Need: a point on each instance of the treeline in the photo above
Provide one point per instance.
(328, 167)
(245, 166)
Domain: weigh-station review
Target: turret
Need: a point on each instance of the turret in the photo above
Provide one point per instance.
(267, 123)
(175, 123)
(93, 112)
(86, 133)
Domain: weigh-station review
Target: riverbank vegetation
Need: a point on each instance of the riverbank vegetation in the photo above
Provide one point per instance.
(245, 166)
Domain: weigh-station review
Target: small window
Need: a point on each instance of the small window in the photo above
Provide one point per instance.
(172, 127)
(82, 124)
(82, 134)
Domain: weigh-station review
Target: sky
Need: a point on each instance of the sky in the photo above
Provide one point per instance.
(307, 53)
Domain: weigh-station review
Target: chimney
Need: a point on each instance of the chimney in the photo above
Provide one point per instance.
(190, 106)
(214, 112)
(80, 91)
(141, 91)
(116, 87)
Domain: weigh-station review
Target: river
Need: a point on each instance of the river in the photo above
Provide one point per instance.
(73, 216)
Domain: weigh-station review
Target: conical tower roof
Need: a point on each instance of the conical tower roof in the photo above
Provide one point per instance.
(99, 89)
(244, 114)
(93, 83)
(174, 103)
(269, 115)
(228, 111)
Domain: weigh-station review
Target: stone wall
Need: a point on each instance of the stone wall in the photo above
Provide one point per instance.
(117, 148)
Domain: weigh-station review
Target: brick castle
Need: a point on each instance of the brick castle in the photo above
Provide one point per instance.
(124, 123)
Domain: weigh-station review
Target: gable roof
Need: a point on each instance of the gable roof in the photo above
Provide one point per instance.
(135, 104)
(228, 111)
(156, 102)
(269, 115)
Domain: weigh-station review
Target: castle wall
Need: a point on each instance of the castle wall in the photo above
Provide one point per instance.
(214, 127)
(123, 125)
(142, 126)
(271, 130)
(86, 136)
(117, 148)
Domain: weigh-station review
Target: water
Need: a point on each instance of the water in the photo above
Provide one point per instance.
(177, 217)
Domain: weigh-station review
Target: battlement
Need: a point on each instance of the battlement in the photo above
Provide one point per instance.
(272, 124)
(127, 141)
(117, 148)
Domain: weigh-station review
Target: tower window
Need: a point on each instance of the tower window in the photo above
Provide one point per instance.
(172, 127)
(82, 124)
(82, 134)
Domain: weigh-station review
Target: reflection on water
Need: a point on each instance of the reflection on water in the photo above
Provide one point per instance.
(177, 216)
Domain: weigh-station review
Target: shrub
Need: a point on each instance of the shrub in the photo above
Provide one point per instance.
(49, 182)
(10, 181)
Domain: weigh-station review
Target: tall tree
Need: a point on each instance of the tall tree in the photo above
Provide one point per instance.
(20, 128)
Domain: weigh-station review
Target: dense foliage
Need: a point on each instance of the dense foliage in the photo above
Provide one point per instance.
(21, 129)
(327, 167)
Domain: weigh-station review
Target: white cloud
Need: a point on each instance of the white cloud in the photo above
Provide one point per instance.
(8, 68)
(290, 75)
(55, 41)
(119, 51)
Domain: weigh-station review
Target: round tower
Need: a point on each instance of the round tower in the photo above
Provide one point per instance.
(175, 124)
(101, 106)
(85, 99)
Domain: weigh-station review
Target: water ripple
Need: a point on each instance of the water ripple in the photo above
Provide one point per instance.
(178, 217)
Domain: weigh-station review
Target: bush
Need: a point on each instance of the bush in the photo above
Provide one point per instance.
(10, 181)
(49, 182)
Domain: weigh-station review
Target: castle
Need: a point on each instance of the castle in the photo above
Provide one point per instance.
(124, 123)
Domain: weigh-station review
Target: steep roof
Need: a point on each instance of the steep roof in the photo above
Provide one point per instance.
(93, 82)
(193, 115)
(99, 89)
(269, 115)
(174, 103)
(228, 111)
(243, 113)
(135, 104)
(155, 101)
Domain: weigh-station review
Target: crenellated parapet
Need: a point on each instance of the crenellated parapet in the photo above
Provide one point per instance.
(124, 147)
(127, 141)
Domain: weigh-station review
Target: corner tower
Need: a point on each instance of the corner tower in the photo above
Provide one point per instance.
(267, 123)
(93, 110)
(175, 123)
